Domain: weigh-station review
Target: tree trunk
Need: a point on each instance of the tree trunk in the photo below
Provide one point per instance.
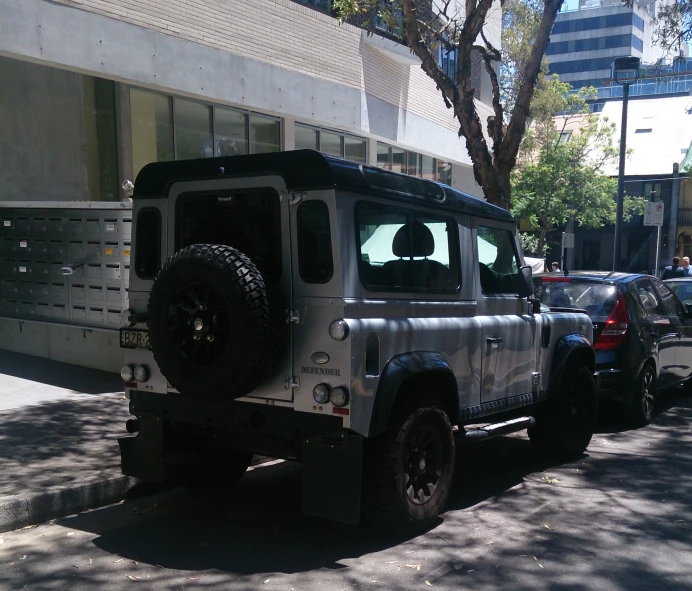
(541, 240)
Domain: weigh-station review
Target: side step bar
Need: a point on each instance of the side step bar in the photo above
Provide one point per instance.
(497, 429)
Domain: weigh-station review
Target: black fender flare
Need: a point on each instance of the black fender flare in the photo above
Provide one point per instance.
(398, 371)
(568, 348)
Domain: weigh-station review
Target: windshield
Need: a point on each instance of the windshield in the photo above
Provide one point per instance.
(682, 289)
(598, 299)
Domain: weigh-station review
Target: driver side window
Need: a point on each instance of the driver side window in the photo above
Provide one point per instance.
(497, 261)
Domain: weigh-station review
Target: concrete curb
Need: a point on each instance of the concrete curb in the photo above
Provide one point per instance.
(21, 510)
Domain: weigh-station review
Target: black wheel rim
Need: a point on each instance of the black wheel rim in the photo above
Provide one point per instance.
(423, 463)
(648, 392)
(197, 323)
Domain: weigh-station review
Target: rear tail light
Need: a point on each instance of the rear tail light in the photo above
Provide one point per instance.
(615, 330)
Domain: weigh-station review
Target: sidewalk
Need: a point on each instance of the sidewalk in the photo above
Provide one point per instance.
(59, 426)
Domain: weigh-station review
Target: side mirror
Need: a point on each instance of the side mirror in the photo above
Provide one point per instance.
(525, 282)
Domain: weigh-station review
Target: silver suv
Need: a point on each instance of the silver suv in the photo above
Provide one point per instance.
(361, 322)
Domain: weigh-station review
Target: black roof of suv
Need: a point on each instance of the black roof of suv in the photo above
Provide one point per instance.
(307, 169)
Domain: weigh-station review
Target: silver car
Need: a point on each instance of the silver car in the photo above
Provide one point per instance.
(361, 322)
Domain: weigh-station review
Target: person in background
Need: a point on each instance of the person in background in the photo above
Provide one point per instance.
(555, 267)
(674, 270)
(686, 266)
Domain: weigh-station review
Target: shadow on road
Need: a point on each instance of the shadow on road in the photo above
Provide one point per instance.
(603, 519)
(60, 375)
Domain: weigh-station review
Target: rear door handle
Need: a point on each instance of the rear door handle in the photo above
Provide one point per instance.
(678, 334)
(494, 341)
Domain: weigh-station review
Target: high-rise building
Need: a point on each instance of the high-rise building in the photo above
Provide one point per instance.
(588, 36)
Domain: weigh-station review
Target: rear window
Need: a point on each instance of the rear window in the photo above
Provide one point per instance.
(598, 299)
(682, 289)
(249, 220)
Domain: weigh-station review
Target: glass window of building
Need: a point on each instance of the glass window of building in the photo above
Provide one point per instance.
(193, 134)
(354, 148)
(330, 143)
(152, 128)
(427, 169)
(306, 138)
(265, 134)
(100, 135)
(230, 132)
(413, 163)
(398, 160)
(384, 156)
(444, 172)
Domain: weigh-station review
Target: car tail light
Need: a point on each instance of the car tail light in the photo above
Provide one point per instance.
(614, 332)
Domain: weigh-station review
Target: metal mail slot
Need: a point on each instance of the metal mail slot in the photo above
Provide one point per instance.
(10, 288)
(75, 228)
(40, 269)
(78, 292)
(38, 241)
(78, 313)
(55, 225)
(95, 293)
(95, 271)
(58, 292)
(42, 292)
(114, 294)
(96, 315)
(39, 226)
(59, 311)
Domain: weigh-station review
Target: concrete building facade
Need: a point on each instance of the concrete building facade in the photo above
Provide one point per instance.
(91, 90)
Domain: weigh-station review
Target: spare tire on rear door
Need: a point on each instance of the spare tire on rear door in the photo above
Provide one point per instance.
(209, 323)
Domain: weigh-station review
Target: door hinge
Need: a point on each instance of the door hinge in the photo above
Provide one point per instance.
(292, 382)
(536, 380)
(291, 198)
(292, 316)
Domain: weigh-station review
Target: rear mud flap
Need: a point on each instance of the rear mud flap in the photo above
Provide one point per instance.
(142, 456)
(332, 476)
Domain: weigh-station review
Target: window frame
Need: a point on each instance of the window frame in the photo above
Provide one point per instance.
(299, 238)
(454, 247)
(483, 223)
(147, 209)
(342, 140)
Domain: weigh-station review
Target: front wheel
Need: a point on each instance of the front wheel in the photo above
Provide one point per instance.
(566, 422)
(409, 471)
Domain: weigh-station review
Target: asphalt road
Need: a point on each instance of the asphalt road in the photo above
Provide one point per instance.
(618, 519)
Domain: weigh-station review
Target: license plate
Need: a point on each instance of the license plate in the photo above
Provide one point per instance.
(134, 339)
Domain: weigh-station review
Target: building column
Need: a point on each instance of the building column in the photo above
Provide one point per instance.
(124, 134)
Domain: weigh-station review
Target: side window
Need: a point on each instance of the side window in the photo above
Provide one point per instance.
(649, 304)
(148, 243)
(497, 261)
(671, 305)
(314, 243)
(406, 251)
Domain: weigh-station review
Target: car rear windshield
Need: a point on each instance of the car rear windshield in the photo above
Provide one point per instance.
(682, 289)
(598, 299)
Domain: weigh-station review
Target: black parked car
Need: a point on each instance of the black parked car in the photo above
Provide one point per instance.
(642, 332)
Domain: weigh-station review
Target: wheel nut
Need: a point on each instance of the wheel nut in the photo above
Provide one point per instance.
(195, 337)
(210, 337)
(198, 324)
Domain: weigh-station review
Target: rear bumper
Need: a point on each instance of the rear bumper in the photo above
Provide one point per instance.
(615, 384)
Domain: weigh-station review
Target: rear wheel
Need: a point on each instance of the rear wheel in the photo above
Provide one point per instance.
(409, 470)
(641, 407)
(566, 422)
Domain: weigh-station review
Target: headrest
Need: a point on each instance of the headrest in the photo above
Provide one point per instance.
(413, 240)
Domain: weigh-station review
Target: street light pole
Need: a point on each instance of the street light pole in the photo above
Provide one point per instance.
(617, 247)
(625, 71)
